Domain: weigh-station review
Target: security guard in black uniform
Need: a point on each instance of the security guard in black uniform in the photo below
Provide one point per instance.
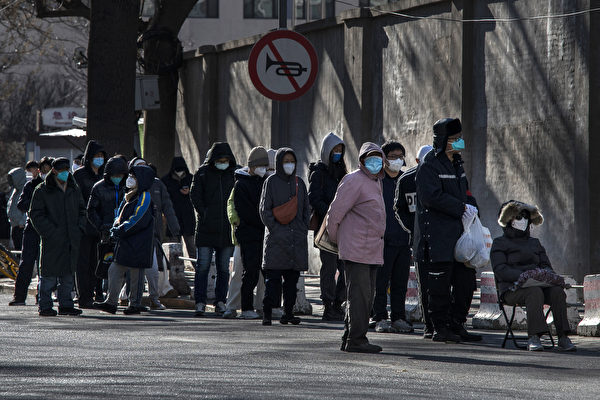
(443, 198)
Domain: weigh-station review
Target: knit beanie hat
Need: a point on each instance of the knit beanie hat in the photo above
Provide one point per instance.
(258, 156)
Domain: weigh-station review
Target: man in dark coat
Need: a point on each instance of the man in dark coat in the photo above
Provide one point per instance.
(58, 215)
(324, 178)
(30, 249)
(405, 207)
(86, 177)
(251, 230)
(106, 196)
(443, 198)
(133, 231)
(178, 182)
(210, 190)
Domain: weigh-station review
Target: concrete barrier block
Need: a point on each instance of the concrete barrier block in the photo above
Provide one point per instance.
(177, 273)
(412, 304)
(302, 306)
(489, 315)
(590, 324)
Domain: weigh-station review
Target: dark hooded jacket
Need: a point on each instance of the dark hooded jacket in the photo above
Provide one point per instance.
(25, 200)
(442, 193)
(60, 220)
(322, 181)
(86, 178)
(105, 198)
(246, 197)
(210, 190)
(184, 210)
(134, 227)
(405, 201)
(17, 177)
(285, 246)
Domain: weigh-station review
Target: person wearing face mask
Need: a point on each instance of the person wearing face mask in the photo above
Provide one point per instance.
(178, 182)
(31, 240)
(58, 214)
(443, 199)
(33, 169)
(271, 167)
(356, 221)
(396, 253)
(324, 178)
(250, 230)
(133, 233)
(285, 212)
(514, 254)
(405, 207)
(77, 163)
(211, 187)
(86, 177)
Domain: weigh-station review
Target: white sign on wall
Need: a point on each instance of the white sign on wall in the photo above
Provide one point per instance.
(61, 117)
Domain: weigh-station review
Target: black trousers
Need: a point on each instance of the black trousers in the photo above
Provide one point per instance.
(87, 281)
(16, 234)
(423, 279)
(30, 252)
(252, 261)
(273, 288)
(332, 291)
(394, 274)
(451, 287)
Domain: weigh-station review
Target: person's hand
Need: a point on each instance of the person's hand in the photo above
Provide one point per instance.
(469, 214)
(184, 191)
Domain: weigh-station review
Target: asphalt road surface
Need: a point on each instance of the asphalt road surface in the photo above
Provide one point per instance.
(168, 354)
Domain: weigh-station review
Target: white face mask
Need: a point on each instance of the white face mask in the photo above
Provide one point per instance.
(76, 167)
(180, 173)
(288, 168)
(395, 165)
(260, 171)
(222, 166)
(520, 224)
(43, 176)
(130, 182)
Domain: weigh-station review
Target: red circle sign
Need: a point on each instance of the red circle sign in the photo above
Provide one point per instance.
(283, 65)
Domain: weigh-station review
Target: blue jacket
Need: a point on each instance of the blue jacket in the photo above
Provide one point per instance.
(134, 229)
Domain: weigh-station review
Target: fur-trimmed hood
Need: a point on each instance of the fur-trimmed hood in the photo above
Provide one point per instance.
(512, 208)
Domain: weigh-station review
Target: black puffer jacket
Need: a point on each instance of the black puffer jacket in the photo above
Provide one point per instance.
(103, 206)
(442, 192)
(210, 191)
(516, 252)
(134, 228)
(246, 197)
(181, 203)
(405, 201)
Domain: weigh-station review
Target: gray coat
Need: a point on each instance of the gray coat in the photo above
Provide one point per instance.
(17, 178)
(285, 246)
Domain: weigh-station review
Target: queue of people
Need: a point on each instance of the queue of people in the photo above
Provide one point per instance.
(379, 216)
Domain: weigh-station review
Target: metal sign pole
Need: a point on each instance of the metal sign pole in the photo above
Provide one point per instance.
(281, 108)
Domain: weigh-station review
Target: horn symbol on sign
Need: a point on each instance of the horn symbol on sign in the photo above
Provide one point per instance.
(286, 68)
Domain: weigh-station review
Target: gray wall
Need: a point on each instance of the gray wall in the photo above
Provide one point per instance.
(524, 90)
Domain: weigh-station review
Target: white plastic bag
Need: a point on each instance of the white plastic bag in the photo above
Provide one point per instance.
(473, 247)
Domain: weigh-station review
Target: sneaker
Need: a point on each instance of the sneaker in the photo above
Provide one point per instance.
(445, 335)
(372, 323)
(250, 314)
(73, 312)
(277, 313)
(383, 326)
(465, 335)
(534, 343)
(157, 305)
(220, 308)
(428, 333)
(289, 320)
(200, 309)
(364, 348)
(131, 310)
(99, 298)
(48, 312)
(402, 326)
(17, 303)
(104, 306)
(230, 314)
(565, 344)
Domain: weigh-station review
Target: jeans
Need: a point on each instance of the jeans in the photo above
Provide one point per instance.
(63, 285)
(393, 274)
(204, 257)
(30, 252)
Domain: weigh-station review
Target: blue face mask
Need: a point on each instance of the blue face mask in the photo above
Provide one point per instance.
(116, 180)
(63, 176)
(98, 162)
(336, 157)
(374, 164)
(458, 145)
(222, 166)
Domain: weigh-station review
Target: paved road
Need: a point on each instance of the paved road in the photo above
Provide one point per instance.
(166, 354)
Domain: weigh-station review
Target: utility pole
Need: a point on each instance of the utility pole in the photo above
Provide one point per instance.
(282, 136)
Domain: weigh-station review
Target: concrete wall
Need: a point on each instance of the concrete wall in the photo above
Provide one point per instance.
(524, 90)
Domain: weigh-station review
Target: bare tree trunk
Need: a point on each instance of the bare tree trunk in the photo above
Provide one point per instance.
(112, 54)
(161, 50)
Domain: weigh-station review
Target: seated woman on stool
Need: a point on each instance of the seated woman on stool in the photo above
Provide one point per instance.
(515, 257)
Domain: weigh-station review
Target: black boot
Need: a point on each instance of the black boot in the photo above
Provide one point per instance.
(464, 334)
(289, 319)
(267, 316)
(443, 334)
(330, 313)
